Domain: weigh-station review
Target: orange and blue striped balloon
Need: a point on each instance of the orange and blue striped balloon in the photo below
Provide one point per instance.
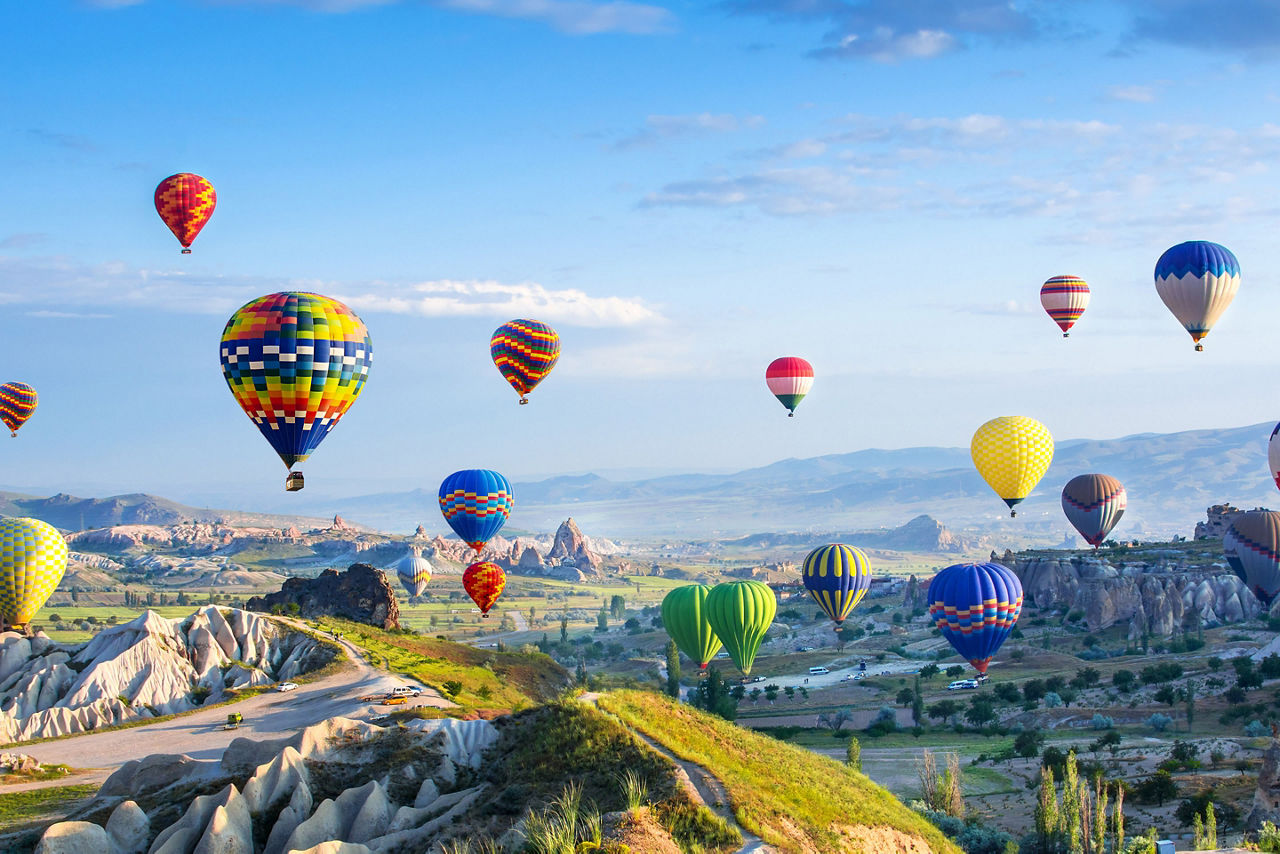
(17, 402)
(837, 577)
(1064, 299)
(975, 606)
(525, 351)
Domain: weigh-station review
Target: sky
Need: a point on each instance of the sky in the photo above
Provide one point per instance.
(684, 190)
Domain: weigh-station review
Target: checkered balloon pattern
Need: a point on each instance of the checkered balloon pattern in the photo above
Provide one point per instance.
(1012, 453)
(525, 351)
(185, 202)
(484, 583)
(17, 402)
(33, 557)
(476, 504)
(295, 363)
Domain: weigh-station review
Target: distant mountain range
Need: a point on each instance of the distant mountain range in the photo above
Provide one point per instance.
(1171, 479)
(71, 513)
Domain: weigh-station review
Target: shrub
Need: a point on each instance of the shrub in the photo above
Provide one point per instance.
(1052, 700)
(1101, 721)
(1159, 722)
(1256, 729)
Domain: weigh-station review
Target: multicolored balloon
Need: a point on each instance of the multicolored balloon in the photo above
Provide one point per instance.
(476, 504)
(295, 363)
(1065, 298)
(1197, 281)
(185, 202)
(17, 402)
(1094, 504)
(740, 612)
(837, 577)
(33, 557)
(975, 606)
(1231, 551)
(789, 378)
(684, 617)
(1273, 455)
(1012, 453)
(1257, 546)
(415, 572)
(484, 583)
(525, 351)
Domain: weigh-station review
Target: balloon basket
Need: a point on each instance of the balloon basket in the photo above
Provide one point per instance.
(1066, 335)
(1013, 514)
(293, 482)
(1199, 348)
(186, 251)
(524, 401)
(791, 415)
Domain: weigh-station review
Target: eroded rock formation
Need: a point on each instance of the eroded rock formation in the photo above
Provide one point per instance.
(361, 593)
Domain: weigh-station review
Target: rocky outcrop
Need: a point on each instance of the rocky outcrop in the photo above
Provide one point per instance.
(1157, 597)
(361, 593)
(571, 546)
(1218, 519)
(1266, 797)
(149, 666)
(274, 807)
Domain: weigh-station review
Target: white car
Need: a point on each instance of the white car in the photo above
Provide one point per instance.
(962, 684)
(406, 691)
(286, 686)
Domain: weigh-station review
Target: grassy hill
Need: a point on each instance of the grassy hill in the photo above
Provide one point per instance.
(791, 798)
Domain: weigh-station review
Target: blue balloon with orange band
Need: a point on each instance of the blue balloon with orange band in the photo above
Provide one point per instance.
(975, 606)
(837, 577)
(476, 504)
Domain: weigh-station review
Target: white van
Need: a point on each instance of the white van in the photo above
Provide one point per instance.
(962, 684)
(818, 671)
(405, 691)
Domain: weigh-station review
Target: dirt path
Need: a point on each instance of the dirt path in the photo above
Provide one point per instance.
(703, 787)
(201, 735)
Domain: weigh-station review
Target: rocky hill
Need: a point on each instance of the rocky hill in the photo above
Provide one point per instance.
(147, 667)
(921, 534)
(360, 593)
(71, 513)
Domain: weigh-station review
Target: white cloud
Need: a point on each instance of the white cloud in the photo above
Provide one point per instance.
(658, 128)
(65, 314)
(885, 45)
(1132, 94)
(448, 298)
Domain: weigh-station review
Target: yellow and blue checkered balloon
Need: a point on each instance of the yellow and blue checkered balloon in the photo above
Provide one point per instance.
(1012, 453)
(33, 557)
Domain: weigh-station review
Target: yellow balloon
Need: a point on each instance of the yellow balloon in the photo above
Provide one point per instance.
(33, 557)
(1012, 453)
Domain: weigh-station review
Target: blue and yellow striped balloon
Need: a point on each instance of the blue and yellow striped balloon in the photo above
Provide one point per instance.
(975, 606)
(837, 577)
(33, 557)
(476, 504)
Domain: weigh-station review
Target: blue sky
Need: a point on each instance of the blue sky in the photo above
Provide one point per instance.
(685, 190)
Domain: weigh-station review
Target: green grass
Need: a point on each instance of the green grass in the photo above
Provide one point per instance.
(792, 798)
(19, 808)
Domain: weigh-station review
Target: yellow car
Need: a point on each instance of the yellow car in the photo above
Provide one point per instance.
(393, 701)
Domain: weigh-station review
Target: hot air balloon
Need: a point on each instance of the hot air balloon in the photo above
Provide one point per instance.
(295, 362)
(975, 606)
(414, 571)
(476, 504)
(185, 202)
(1257, 544)
(525, 351)
(740, 612)
(1273, 455)
(684, 617)
(1197, 281)
(17, 402)
(33, 556)
(789, 378)
(1232, 553)
(1094, 504)
(1065, 298)
(1012, 453)
(837, 577)
(483, 583)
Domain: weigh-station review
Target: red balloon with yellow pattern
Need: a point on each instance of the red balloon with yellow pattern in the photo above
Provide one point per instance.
(185, 202)
(484, 583)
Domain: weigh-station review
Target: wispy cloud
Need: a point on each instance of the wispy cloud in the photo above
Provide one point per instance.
(54, 287)
(577, 17)
(1241, 27)
(1132, 94)
(660, 128)
(23, 240)
(65, 314)
(72, 141)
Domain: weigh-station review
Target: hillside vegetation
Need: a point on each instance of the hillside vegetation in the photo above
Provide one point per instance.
(473, 678)
(791, 798)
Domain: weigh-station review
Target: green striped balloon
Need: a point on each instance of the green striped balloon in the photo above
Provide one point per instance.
(684, 617)
(740, 612)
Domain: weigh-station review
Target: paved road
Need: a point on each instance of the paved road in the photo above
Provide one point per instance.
(200, 734)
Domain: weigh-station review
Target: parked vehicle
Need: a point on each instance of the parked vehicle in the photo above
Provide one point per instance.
(393, 701)
(233, 721)
(406, 691)
(962, 684)
(286, 686)
(818, 671)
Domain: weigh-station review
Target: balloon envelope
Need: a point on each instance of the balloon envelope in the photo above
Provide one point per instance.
(483, 583)
(975, 606)
(1197, 281)
(1257, 544)
(525, 351)
(1273, 455)
(476, 504)
(837, 577)
(295, 363)
(1094, 504)
(789, 378)
(185, 202)
(740, 612)
(17, 403)
(1064, 299)
(1232, 553)
(684, 617)
(33, 557)
(415, 572)
(1012, 453)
